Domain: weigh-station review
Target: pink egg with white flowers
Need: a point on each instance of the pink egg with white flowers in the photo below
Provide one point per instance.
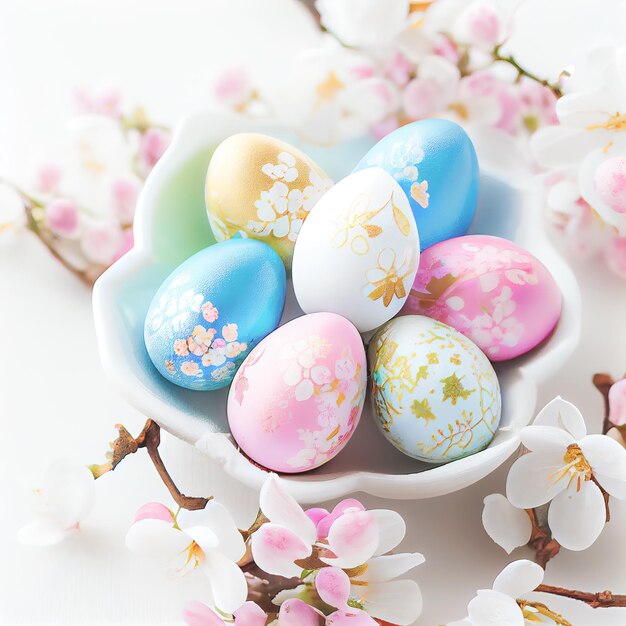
(297, 397)
(491, 290)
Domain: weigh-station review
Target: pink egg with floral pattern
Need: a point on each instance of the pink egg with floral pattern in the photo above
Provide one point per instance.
(298, 396)
(491, 290)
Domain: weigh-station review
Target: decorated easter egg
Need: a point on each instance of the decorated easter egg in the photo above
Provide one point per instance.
(491, 290)
(298, 396)
(262, 188)
(212, 310)
(435, 394)
(435, 163)
(358, 250)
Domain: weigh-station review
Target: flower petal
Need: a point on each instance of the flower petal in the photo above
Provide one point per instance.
(507, 525)
(304, 390)
(326, 522)
(203, 536)
(295, 612)
(69, 491)
(608, 461)
(391, 529)
(221, 522)
(390, 566)
(350, 617)
(228, 583)
(530, 482)
(275, 548)
(281, 508)
(562, 414)
(576, 518)
(156, 538)
(519, 578)
(44, 530)
(199, 614)
(397, 601)
(333, 586)
(353, 538)
(250, 614)
(545, 438)
(492, 607)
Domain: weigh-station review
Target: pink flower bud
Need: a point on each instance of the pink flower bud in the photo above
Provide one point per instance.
(233, 87)
(610, 179)
(48, 178)
(153, 144)
(444, 47)
(617, 403)
(154, 510)
(101, 242)
(124, 192)
(62, 217)
(107, 102)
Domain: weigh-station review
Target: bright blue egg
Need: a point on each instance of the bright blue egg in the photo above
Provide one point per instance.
(435, 163)
(212, 310)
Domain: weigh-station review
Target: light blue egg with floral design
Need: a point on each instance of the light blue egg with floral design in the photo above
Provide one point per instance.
(212, 310)
(435, 395)
(435, 163)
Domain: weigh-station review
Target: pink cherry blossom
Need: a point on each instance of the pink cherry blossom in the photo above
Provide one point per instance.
(48, 178)
(102, 241)
(610, 181)
(421, 98)
(538, 103)
(209, 312)
(152, 145)
(615, 255)
(62, 217)
(124, 192)
(398, 69)
(108, 102)
(295, 612)
(483, 25)
(444, 47)
(233, 87)
(617, 403)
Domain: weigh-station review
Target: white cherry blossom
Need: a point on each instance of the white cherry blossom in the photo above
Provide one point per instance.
(63, 500)
(567, 468)
(499, 605)
(206, 540)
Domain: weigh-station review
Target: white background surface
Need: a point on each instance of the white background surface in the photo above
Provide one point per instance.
(54, 400)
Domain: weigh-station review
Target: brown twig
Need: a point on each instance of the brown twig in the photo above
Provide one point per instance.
(149, 438)
(603, 383)
(600, 600)
(541, 541)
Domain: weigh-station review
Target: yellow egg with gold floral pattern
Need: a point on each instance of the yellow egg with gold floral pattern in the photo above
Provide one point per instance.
(262, 188)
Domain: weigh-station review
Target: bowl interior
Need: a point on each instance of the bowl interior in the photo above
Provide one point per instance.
(178, 227)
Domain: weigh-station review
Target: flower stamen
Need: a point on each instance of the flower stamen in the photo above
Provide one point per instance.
(615, 122)
(576, 466)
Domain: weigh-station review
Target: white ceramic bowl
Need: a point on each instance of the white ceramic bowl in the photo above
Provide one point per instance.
(171, 225)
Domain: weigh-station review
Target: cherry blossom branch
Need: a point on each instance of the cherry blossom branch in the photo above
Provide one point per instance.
(150, 439)
(541, 541)
(522, 71)
(31, 206)
(603, 383)
(599, 600)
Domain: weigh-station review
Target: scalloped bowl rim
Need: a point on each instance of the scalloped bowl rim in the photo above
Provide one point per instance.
(189, 138)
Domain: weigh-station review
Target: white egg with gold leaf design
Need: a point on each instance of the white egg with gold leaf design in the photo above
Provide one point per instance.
(358, 250)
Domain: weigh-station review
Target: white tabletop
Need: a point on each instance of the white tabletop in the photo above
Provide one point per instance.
(55, 401)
